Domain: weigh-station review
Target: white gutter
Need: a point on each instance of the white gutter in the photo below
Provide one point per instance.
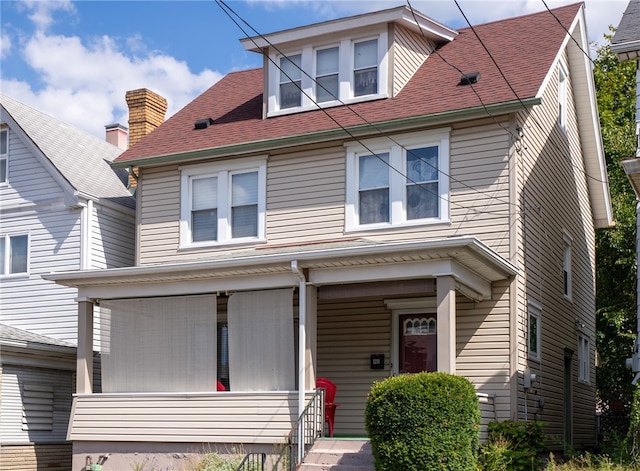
(302, 346)
(86, 229)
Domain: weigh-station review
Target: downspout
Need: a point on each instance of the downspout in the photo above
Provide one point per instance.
(302, 346)
(86, 229)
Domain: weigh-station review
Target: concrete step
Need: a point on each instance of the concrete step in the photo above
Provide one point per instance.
(339, 455)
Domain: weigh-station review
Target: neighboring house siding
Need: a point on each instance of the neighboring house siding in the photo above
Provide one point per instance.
(554, 201)
(29, 415)
(111, 243)
(29, 302)
(29, 182)
(410, 50)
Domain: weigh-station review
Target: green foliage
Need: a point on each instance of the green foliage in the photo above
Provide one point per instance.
(589, 462)
(632, 442)
(512, 445)
(423, 422)
(615, 247)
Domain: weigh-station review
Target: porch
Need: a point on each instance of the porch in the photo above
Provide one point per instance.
(266, 323)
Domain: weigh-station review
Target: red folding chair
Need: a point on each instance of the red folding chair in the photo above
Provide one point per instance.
(329, 406)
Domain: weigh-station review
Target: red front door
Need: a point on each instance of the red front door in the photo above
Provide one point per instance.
(418, 346)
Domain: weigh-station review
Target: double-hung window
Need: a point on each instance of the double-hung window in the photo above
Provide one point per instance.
(14, 254)
(399, 182)
(348, 70)
(567, 278)
(291, 81)
(534, 333)
(4, 155)
(562, 96)
(584, 366)
(327, 83)
(365, 67)
(223, 203)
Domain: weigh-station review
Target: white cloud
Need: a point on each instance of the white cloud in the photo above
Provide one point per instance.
(42, 11)
(5, 45)
(84, 83)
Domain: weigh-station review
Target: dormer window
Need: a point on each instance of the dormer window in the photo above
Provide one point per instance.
(365, 69)
(327, 74)
(349, 71)
(290, 81)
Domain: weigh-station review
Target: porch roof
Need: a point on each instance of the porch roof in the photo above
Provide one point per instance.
(472, 263)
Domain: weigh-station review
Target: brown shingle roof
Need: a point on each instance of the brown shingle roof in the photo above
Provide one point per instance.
(524, 48)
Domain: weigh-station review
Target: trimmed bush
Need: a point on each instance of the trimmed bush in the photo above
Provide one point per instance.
(423, 422)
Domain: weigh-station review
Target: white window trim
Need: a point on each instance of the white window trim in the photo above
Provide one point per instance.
(534, 310)
(563, 77)
(584, 358)
(5, 157)
(4, 271)
(397, 180)
(345, 75)
(567, 242)
(223, 170)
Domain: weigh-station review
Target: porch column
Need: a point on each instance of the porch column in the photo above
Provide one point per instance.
(84, 361)
(311, 337)
(446, 325)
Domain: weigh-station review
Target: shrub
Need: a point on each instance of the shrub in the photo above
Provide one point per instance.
(423, 422)
(521, 445)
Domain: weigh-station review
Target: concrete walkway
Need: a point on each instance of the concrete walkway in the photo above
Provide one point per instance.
(330, 454)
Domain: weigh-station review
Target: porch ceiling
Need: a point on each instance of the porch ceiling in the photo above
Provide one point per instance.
(466, 258)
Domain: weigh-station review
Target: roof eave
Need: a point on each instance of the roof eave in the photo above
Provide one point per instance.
(359, 131)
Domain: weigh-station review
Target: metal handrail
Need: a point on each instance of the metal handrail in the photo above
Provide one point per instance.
(252, 462)
(309, 426)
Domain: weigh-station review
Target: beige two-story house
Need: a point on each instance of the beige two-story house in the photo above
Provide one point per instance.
(385, 195)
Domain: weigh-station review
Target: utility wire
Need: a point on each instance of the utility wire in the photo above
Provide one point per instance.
(228, 11)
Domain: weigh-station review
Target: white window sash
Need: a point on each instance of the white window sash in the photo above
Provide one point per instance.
(224, 173)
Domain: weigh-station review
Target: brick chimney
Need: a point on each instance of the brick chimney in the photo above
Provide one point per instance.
(146, 112)
(117, 134)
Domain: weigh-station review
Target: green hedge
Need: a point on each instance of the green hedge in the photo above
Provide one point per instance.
(423, 422)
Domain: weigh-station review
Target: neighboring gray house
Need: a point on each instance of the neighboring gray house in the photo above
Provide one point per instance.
(626, 44)
(62, 208)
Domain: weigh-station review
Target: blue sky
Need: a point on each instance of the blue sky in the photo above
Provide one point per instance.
(75, 60)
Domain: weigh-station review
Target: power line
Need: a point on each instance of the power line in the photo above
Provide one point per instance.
(228, 10)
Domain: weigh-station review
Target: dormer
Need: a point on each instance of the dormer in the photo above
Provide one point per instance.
(350, 60)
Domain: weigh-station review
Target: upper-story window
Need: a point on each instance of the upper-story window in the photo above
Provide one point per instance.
(399, 182)
(567, 277)
(290, 81)
(347, 71)
(223, 203)
(562, 96)
(4, 155)
(365, 68)
(14, 254)
(327, 74)
(534, 333)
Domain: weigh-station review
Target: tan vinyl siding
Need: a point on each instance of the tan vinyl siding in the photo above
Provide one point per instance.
(200, 418)
(306, 199)
(554, 198)
(348, 333)
(410, 50)
(35, 456)
(483, 353)
(159, 211)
